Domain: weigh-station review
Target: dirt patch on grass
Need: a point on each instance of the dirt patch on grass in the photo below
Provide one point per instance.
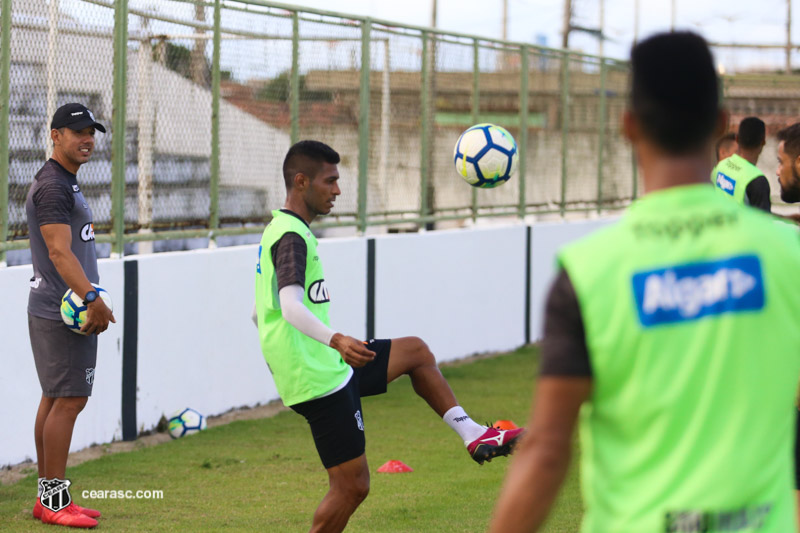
(13, 473)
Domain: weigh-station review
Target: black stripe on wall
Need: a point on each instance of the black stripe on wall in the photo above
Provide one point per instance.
(130, 332)
(527, 284)
(370, 289)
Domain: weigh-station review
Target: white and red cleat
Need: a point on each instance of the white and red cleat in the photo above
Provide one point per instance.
(494, 443)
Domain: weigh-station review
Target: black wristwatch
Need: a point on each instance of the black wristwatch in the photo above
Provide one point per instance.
(90, 297)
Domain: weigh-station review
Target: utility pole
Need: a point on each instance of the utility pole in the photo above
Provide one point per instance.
(788, 36)
(431, 190)
(601, 37)
(505, 20)
(567, 24)
(197, 65)
(635, 22)
(504, 63)
(672, 18)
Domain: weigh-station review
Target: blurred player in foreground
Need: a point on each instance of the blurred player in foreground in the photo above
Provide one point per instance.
(738, 176)
(673, 332)
(789, 181)
(322, 374)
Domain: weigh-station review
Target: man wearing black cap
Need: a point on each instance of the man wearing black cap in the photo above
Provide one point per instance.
(63, 255)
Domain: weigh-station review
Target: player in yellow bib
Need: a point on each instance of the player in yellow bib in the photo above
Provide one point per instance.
(322, 374)
(737, 176)
(670, 337)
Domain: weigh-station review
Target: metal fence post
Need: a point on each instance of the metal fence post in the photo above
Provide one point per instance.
(601, 135)
(118, 128)
(522, 146)
(564, 127)
(294, 80)
(213, 219)
(5, 83)
(476, 109)
(363, 126)
(425, 104)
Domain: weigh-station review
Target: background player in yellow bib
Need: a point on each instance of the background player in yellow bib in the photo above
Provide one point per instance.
(737, 175)
(673, 335)
(322, 374)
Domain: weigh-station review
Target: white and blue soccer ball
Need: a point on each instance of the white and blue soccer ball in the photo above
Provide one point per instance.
(185, 422)
(73, 312)
(486, 156)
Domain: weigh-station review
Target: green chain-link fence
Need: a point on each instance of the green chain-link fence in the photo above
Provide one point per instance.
(203, 98)
(208, 96)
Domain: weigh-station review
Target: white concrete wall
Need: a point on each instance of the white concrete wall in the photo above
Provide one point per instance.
(546, 239)
(19, 386)
(463, 291)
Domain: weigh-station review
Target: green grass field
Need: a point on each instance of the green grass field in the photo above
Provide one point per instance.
(264, 475)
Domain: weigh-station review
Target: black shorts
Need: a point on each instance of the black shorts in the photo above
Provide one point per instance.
(336, 421)
(64, 360)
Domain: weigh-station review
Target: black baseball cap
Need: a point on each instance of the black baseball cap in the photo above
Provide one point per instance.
(75, 117)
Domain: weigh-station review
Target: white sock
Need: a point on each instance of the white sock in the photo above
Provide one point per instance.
(39, 487)
(462, 424)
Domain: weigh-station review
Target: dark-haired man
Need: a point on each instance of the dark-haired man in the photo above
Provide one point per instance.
(726, 146)
(322, 374)
(789, 181)
(63, 256)
(673, 333)
(789, 163)
(738, 176)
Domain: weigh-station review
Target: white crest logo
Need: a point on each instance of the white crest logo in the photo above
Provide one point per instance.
(55, 494)
(90, 375)
(359, 421)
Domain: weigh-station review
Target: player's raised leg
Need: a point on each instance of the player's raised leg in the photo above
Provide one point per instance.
(411, 356)
(348, 487)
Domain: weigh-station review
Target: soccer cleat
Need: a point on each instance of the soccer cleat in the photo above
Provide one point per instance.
(494, 443)
(69, 516)
(37, 510)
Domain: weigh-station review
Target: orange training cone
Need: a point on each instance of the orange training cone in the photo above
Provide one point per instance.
(505, 424)
(395, 467)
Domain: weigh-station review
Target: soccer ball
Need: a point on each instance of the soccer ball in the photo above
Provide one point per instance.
(485, 156)
(185, 422)
(73, 312)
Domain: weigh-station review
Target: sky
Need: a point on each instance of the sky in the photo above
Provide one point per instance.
(741, 21)
(531, 21)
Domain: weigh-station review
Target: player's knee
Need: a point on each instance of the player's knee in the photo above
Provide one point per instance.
(356, 491)
(70, 405)
(361, 490)
(422, 353)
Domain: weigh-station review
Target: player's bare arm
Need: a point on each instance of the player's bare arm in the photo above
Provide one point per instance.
(542, 458)
(352, 350)
(58, 238)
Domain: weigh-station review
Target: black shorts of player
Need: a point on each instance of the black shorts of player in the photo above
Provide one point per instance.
(337, 423)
